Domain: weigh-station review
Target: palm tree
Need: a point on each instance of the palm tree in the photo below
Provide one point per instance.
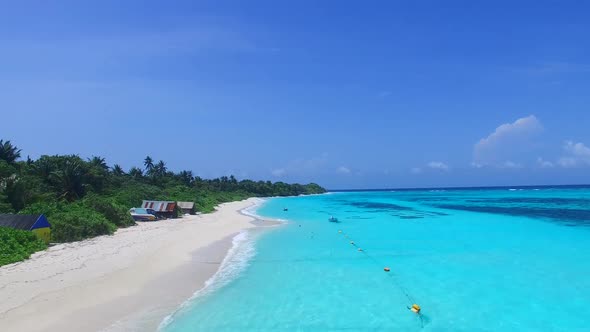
(160, 168)
(96, 173)
(118, 170)
(149, 164)
(70, 179)
(43, 167)
(224, 181)
(8, 152)
(98, 162)
(197, 181)
(186, 177)
(136, 172)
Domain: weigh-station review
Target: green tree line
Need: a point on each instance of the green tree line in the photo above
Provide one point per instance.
(83, 198)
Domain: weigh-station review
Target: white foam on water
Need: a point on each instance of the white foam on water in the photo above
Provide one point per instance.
(236, 261)
(251, 210)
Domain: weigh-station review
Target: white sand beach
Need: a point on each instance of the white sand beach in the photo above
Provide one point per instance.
(128, 281)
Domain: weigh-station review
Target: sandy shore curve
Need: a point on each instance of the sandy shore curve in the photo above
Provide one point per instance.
(128, 281)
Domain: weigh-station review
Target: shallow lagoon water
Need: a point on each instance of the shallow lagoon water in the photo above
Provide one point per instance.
(474, 260)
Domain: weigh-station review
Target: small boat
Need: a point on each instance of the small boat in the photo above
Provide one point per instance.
(141, 214)
(333, 219)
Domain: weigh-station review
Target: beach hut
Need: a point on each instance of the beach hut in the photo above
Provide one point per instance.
(186, 207)
(36, 223)
(164, 209)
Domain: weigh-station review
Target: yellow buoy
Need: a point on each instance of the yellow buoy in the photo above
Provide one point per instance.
(386, 269)
(415, 308)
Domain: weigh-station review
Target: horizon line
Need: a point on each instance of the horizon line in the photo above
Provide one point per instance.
(462, 187)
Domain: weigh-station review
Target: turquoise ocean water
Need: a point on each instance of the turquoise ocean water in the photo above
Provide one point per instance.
(474, 260)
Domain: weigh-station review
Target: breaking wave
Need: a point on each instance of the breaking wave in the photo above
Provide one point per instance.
(236, 261)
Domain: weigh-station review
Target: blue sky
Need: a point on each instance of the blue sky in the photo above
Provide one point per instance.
(348, 94)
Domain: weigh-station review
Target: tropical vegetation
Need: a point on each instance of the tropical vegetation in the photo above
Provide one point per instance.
(17, 245)
(83, 198)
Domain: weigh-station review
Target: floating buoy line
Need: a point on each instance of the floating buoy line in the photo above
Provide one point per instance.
(415, 308)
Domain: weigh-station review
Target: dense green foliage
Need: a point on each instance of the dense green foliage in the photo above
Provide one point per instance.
(85, 198)
(17, 245)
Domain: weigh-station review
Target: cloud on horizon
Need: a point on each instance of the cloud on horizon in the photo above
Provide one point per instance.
(433, 165)
(576, 154)
(343, 170)
(438, 165)
(511, 165)
(507, 142)
(544, 163)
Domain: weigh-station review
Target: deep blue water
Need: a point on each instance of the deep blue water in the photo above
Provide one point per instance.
(473, 259)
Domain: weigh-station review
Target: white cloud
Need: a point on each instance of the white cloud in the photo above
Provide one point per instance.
(508, 140)
(477, 165)
(576, 154)
(510, 164)
(567, 162)
(544, 163)
(438, 165)
(278, 172)
(578, 150)
(343, 170)
(435, 165)
(507, 164)
(416, 170)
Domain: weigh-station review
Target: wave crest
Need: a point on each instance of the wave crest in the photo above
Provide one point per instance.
(237, 259)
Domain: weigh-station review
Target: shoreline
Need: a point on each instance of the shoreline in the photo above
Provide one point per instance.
(131, 280)
(241, 243)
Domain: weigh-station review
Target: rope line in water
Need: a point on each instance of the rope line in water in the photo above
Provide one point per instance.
(389, 274)
(302, 259)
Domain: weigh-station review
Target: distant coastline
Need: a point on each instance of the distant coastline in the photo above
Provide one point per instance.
(84, 198)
